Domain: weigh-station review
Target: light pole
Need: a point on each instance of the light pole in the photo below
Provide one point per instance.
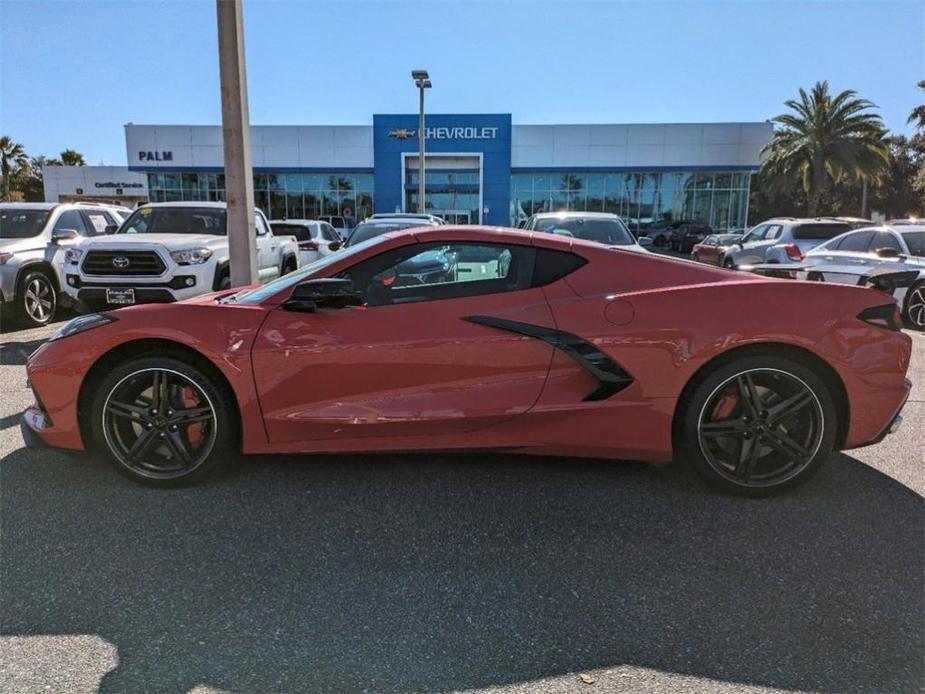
(422, 80)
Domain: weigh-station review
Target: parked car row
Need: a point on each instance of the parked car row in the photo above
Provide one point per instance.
(842, 250)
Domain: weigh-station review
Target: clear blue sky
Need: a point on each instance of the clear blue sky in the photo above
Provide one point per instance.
(72, 73)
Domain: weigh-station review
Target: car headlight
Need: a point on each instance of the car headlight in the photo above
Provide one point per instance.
(191, 256)
(82, 323)
(72, 255)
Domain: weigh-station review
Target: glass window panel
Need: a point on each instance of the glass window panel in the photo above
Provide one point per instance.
(577, 201)
(613, 184)
(220, 181)
(720, 216)
(541, 182)
(365, 182)
(275, 182)
(558, 201)
(594, 185)
(311, 182)
(293, 183)
(704, 181)
(294, 205)
(172, 181)
(575, 181)
(260, 181)
(740, 180)
(722, 180)
(330, 203)
(277, 205)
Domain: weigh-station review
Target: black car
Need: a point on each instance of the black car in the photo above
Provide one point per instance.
(686, 236)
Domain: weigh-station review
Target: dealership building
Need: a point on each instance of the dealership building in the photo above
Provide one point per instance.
(479, 168)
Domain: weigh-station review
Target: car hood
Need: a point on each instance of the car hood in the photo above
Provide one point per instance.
(172, 240)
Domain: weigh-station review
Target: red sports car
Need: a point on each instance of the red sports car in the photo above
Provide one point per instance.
(473, 338)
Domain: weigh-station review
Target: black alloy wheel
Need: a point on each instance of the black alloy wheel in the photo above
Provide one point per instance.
(161, 421)
(760, 425)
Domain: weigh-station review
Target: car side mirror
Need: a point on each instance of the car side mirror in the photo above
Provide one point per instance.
(888, 252)
(59, 235)
(111, 229)
(644, 241)
(334, 245)
(333, 293)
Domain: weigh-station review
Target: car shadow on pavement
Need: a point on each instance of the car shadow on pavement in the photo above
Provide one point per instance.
(16, 353)
(440, 572)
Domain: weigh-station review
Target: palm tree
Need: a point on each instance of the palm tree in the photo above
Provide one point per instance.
(918, 113)
(71, 157)
(826, 139)
(11, 154)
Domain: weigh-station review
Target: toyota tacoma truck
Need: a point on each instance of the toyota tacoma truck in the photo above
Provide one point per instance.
(166, 252)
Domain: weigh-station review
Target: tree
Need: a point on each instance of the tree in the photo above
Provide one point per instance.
(825, 140)
(71, 157)
(12, 157)
(896, 196)
(918, 113)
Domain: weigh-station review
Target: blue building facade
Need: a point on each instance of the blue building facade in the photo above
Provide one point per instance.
(479, 168)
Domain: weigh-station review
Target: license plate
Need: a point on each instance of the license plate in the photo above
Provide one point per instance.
(120, 296)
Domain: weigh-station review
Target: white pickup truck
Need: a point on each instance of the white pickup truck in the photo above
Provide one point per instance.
(166, 252)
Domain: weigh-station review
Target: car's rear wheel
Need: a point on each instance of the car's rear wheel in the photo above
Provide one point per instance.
(37, 300)
(162, 421)
(758, 425)
(915, 306)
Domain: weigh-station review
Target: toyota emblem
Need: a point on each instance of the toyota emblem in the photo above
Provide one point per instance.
(120, 261)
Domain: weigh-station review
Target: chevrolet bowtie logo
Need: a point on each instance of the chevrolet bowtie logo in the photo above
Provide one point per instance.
(401, 133)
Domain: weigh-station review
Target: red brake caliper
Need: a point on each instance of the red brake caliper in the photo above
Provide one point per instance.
(726, 404)
(194, 430)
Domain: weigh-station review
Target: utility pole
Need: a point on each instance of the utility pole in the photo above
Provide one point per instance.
(239, 179)
(422, 80)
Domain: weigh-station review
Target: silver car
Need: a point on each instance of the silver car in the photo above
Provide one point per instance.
(899, 246)
(782, 240)
(602, 227)
(33, 240)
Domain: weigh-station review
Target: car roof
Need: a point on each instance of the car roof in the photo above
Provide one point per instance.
(305, 222)
(600, 215)
(188, 203)
(425, 221)
(30, 205)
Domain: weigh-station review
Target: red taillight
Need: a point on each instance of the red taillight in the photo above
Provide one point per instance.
(793, 252)
(887, 316)
(308, 246)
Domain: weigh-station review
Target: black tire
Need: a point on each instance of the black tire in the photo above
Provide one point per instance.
(125, 418)
(729, 264)
(914, 306)
(758, 450)
(36, 299)
(224, 282)
(290, 265)
(660, 241)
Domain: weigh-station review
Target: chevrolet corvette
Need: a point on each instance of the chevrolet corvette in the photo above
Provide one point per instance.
(522, 342)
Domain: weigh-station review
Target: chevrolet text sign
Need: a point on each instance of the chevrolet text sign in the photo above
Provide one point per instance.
(469, 133)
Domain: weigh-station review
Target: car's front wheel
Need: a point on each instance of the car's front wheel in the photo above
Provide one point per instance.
(162, 421)
(37, 299)
(729, 264)
(758, 425)
(914, 312)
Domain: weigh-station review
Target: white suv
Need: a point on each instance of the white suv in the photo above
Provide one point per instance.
(167, 252)
(34, 237)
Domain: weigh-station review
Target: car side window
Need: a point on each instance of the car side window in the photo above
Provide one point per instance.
(885, 239)
(329, 233)
(773, 232)
(71, 219)
(857, 242)
(96, 221)
(755, 234)
(260, 224)
(437, 271)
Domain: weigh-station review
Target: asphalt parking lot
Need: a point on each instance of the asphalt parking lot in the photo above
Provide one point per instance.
(440, 572)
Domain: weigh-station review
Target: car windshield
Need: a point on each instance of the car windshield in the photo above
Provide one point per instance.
(916, 242)
(815, 232)
(22, 224)
(259, 294)
(368, 230)
(610, 232)
(175, 220)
